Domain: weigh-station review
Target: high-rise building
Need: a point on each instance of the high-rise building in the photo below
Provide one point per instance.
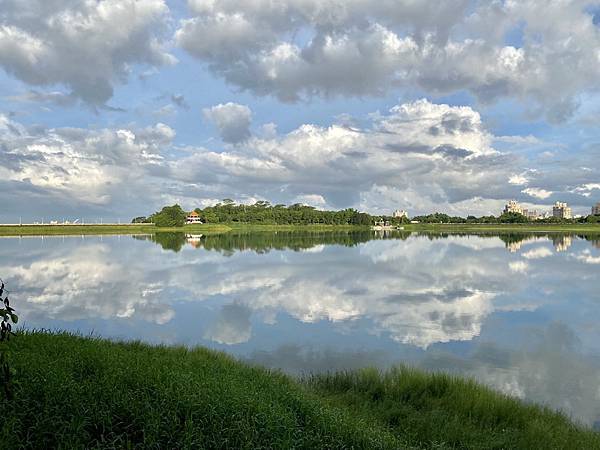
(596, 209)
(513, 207)
(562, 211)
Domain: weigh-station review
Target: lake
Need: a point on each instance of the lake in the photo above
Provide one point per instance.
(518, 312)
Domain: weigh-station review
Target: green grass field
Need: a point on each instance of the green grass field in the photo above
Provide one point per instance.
(508, 227)
(72, 392)
(76, 230)
(46, 230)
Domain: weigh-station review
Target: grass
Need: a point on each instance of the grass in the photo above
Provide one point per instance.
(39, 230)
(46, 230)
(509, 227)
(74, 392)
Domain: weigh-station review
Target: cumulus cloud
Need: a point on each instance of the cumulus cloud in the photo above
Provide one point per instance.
(537, 253)
(315, 200)
(232, 120)
(537, 192)
(300, 48)
(518, 179)
(418, 156)
(437, 154)
(85, 46)
(587, 257)
(85, 167)
(518, 266)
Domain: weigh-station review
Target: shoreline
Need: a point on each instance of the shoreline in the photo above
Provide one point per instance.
(132, 229)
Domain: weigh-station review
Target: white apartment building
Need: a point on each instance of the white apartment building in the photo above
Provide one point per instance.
(400, 213)
(562, 211)
(513, 207)
(596, 209)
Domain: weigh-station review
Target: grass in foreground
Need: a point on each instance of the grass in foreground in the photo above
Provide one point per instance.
(73, 392)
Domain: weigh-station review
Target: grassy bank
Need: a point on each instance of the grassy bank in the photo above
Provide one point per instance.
(46, 230)
(506, 228)
(64, 230)
(73, 392)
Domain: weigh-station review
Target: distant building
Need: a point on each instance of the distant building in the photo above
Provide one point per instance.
(513, 207)
(400, 213)
(531, 214)
(596, 209)
(193, 218)
(562, 211)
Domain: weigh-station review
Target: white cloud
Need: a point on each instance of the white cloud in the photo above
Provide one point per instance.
(518, 179)
(88, 283)
(418, 156)
(435, 154)
(87, 46)
(518, 266)
(537, 192)
(79, 166)
(232, 120)
(587, 257)
(537, 253)
(299, 48)
(587, 189)
(316, 200)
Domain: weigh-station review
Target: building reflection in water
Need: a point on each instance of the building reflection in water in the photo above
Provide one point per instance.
(562, 242)
(195, 240)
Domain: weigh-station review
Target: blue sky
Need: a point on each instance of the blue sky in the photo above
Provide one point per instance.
(114, 108)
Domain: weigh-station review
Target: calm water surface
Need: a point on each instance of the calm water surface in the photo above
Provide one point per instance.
(520, 313)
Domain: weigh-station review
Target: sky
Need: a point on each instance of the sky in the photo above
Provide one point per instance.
(112, 109)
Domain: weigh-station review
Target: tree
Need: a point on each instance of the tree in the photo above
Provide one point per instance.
(170, 216)
(512, 217)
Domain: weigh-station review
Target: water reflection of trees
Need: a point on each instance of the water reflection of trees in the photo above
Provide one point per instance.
(513, 241)
(168, 241)
(263, 242)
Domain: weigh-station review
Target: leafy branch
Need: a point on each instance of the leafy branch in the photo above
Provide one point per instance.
(9, 318)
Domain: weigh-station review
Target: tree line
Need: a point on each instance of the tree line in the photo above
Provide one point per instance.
(262, 212)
